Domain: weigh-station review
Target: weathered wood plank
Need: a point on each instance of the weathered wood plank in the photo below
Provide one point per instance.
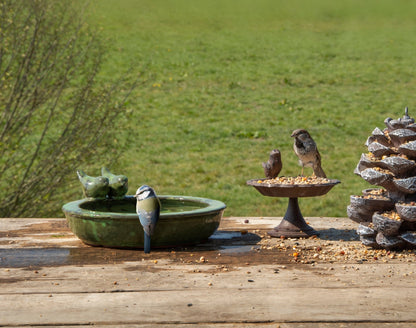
(247, 325)
(250, 325)
(167, 275)
(211, 305)
(67, 283)
(138, 292)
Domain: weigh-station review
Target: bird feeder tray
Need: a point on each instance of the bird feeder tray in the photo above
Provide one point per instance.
(365, 229)
(411, 127)
(400, 123)
(359, 214)
(361, 208)
(375, 202)
(408, 149)
(378, 136)
(389, 242)
(406, 211)
(293, 225)
(409, 237)
(397, 165)
(407, 185)
(386, 225)
(400, 136)
(376, 177)
(375, 192)
(369, 241)
(379, 150)
(364, 163)
(292, 190)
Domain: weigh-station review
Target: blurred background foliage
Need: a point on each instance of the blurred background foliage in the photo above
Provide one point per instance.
(55, 113)
(220, 84)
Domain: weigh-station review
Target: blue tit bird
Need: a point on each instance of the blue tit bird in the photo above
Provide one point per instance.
(148, 209)
(118, 183)
(96, 187)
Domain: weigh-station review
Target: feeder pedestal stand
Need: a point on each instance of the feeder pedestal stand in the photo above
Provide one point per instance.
(293, 224)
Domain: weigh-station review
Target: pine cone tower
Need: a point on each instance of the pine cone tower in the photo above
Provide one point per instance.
(387, 215)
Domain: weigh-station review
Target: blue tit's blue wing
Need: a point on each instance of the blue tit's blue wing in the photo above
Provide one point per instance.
(148, 211)
(146, 220)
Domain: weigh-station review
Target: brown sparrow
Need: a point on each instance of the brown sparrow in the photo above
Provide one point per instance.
(273, 166)
(305, 148)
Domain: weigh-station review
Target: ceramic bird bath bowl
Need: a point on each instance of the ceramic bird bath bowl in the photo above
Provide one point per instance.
(184, 220)
(293, 224)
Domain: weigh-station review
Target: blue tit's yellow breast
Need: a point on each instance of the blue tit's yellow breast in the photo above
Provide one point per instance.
(149, 204)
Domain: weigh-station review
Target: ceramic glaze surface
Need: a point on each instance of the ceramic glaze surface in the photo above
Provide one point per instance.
(183, 220)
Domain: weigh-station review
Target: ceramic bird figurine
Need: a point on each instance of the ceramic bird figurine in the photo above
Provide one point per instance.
(96, 187)
(273, 166)
(307, 151)
(118, 183)
(148, 209)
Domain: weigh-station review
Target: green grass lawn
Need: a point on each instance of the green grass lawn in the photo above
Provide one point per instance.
(223, 82)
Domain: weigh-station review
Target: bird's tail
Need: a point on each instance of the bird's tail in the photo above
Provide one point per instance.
(146, 243)
(318, 171)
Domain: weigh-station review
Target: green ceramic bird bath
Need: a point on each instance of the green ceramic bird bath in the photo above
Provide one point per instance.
(184, 220)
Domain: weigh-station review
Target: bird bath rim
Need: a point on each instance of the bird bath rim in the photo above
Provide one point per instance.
(212, 205)
(118, 229)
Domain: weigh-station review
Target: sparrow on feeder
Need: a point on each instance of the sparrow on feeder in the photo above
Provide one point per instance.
(307, 151)
(96, 187)
(148, 209)
(118, 183)
(273, 166)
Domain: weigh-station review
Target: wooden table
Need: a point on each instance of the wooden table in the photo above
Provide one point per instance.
(239, 278)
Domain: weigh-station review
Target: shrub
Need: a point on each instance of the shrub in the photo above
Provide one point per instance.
(55, 112)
